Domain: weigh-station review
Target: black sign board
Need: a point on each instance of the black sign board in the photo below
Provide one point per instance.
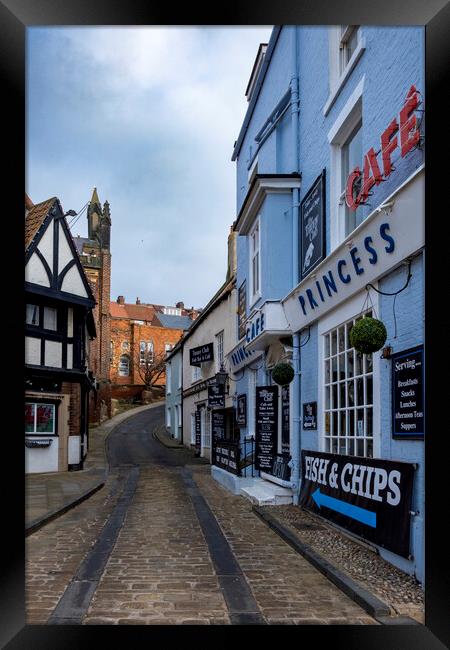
(370, 497)
(285, 419)
(198, 430)
(310, 416)
(312, 227)
(216, 395)
(242, 309)
(226, 455)
(266, 426)
(217, 425)
(241, 412)
(408, 394)
(201, 354)
(281, 468)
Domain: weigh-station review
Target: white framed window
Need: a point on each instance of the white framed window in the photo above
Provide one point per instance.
(348, 42)
(349, 387)
(196, 373)
(39, 418)
(346, 46)
(219, 350)
(169, 378)
(172, 311)
(32, 315)
(145, 352)
(255, 262)
(124, 365)
(150, 351)
(345, 138)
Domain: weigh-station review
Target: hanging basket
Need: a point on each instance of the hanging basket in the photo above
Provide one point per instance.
(368, 335)
(283, 373)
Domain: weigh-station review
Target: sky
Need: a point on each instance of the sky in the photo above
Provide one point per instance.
(149, 117)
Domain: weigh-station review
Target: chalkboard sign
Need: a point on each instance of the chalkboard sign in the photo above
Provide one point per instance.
(310, 416)
(241, 414)
(312, 227)
(216, 396)
(198, 430)
(201, 354)
(242, 307)
(266, 426)
(407, 394)
(285, 419)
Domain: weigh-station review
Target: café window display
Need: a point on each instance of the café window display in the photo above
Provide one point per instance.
(348, 394)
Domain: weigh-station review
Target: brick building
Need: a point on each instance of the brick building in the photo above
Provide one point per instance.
(137, 330)
(95, 256)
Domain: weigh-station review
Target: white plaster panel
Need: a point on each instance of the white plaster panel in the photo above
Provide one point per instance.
(46, 244)
(69, 364)
(53, 354)
(43, 459)
(32, 350)
(73, 283)
(35, 272)
(74, 449)
(64, 253)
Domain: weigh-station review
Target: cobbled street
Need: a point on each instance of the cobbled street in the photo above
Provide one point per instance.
(163, 543)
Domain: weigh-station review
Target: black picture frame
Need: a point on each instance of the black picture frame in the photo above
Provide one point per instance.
(15, 17)
(316, 238)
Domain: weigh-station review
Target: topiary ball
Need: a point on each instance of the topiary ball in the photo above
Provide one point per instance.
(368, 335)
(283, 373)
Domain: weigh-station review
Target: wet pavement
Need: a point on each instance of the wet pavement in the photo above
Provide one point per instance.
(162, 543)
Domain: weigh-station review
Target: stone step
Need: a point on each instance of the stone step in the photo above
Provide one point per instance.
(265, 493)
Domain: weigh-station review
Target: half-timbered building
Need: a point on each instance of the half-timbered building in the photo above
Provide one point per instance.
(58, 327)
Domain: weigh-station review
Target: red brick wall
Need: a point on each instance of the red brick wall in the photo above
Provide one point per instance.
(74, 391)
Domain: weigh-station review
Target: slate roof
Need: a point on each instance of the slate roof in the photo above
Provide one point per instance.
(34, 218)
(174, 322)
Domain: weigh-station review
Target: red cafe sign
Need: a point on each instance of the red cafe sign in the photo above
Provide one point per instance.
(371, 175)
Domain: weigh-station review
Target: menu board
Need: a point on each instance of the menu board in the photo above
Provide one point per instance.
(285, 419)
(408, 394)
(216, 395)
(242, 307)
(266, 426)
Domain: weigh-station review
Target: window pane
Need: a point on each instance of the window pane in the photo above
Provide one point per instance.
(342, 447)
(334, 446)
(29, 417)
(327, 445)
(342, 394)
(359, 363)
(342, 424)
(334, 369)
(334, 398)
(369, 422)
(351, 447)
(327, 423)
(359, 391)
(327, 372)
(327, 397)
(350, 363)
(351, 422)
(369, 448)
(351, 393)
(341, 366)
(369, 389)
(327, 345)
(45, 418)
(341, 339)
(360, 422)
(32, 315)
(368, 362)
(333, 342)
(359, 447)
(49, 318)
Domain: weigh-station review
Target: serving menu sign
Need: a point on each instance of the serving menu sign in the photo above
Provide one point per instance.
(313, 227)
(370, 497)
(266, 426)
(407, 394)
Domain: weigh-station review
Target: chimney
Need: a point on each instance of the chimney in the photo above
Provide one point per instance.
(138, 302)
(180, 305)
(121, 300)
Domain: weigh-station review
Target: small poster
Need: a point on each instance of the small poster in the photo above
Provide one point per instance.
(312, 227)
(408, 394)
(285, 419)
(241, 411)
(310, 416)
(266, 427)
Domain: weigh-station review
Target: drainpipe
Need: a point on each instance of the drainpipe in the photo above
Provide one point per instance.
(295, 441)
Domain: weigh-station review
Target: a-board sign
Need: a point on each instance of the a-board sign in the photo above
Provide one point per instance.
(371, 497)
(408, 394)
(266, 426)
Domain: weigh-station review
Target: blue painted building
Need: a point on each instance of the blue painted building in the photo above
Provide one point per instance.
(330, 223)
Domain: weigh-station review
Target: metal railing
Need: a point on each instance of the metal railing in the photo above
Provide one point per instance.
(235, 457)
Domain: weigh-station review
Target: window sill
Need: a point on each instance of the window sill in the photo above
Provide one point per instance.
(344, 76)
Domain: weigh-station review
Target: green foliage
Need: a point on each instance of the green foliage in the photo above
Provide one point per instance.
(368, 335)
(283, 373)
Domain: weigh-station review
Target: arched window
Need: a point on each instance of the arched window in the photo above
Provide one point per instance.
(124, 365)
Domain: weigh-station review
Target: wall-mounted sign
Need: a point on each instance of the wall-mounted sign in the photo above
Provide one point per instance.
(201, 354)
(408, 394)
(357, 192)
(199, 387)
(255, 327)
(379, 244)
(241, 410)
(370, 497)
(242, 309)
(312, 227)
(266, 426)
(198, 429)
(216, 396)
(310, 416)
(240, 357)
(285, 419)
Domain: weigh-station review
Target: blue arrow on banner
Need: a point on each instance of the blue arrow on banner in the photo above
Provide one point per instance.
(354, 512)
